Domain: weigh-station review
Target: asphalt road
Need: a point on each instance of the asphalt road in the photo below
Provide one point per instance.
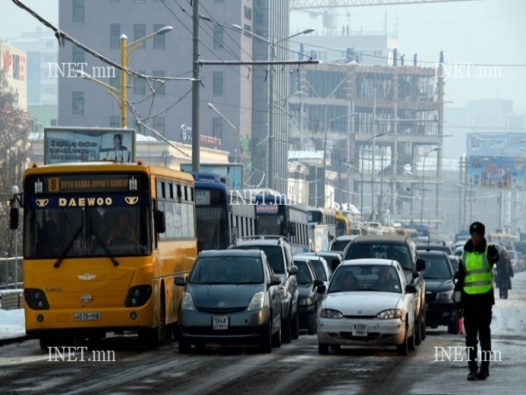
(294, 368)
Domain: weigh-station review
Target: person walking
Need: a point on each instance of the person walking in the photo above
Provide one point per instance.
(475, 282)
(505, 274)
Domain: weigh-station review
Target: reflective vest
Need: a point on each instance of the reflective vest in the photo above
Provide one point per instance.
(479, 276)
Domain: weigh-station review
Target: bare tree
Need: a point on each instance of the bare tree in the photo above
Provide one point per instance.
(14, 154)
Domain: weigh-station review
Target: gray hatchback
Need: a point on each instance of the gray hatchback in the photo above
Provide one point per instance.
(231, 296)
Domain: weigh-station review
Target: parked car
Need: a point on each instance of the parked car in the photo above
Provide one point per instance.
(403, 250)
(308, 283)
(359, 310)
(323, 271)
(279, 253)
(435, 247)
(230, 297)
(333, 258)
(440, 285)
(339, 243)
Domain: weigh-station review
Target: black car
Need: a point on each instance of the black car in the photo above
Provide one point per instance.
(279, 253)
(403, 250)
(308, 283)
(440, 285)
(231, 297)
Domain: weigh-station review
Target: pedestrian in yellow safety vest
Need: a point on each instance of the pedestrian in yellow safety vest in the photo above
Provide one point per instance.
(475, 283)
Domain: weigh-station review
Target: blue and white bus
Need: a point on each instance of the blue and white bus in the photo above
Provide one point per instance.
(275, 215)
(222, 215)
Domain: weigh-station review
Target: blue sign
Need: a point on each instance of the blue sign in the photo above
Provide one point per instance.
(233, 173)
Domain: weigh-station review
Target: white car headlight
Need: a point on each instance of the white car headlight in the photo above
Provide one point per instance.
(444, 295)
(328, 313)
(390, 314)
(306, 302)
(257, 301)
(188, 302)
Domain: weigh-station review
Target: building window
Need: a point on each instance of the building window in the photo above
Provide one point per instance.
(78, 104)
(158, 124)
(377, 52)
(248, 13)
(49, 44)
(115, 39)
(78, 11)
(115, 80)
(139, 87)
(247, 29)
(217, 128)
(218, 36)
(139, 31)
(158, 85)
(218, 83)
(115, 121)
(78, 54)
(158, 40)
(53, 122)
(259, 17)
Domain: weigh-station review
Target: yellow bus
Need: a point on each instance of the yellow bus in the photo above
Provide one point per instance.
(102, 245)
(343, 225)
(413, 233)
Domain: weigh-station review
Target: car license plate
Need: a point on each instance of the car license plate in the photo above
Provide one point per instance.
(86, 316)
(220, 323)
(359, 330)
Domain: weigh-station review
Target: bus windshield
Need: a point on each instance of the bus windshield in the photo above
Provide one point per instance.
(270, 225)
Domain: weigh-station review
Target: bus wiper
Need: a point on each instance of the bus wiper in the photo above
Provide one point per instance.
(104, 246)
(68, 247)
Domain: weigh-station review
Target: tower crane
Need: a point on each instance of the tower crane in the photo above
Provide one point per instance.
(330, 15)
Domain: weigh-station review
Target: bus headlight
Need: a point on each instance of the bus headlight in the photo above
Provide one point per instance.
(138, 295)
(36, 299)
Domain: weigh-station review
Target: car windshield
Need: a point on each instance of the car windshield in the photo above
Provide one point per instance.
(397, 252)
(437, 268)
(360, 278)
(304, 275)
(339, 245)
(320, 269)
(227, 270)
(274, 255)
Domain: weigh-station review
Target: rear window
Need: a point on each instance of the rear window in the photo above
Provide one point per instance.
(339, 245)
(274, 255)
(437, 268)
(397, 252)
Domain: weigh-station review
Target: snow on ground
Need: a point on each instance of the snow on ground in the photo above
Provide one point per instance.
(12, 324)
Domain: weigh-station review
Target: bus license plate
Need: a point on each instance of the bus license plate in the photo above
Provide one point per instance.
(359, 330)
(220, 323)
(86, 316)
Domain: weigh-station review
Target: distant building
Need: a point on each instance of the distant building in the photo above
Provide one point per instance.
(13, 62)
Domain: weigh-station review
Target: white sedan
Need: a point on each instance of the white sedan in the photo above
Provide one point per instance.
(368, 303)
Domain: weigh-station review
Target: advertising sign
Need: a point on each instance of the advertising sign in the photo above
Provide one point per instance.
(63, 145)
(496, 160)
(233, 173)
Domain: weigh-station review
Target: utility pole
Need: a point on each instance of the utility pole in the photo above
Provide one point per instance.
(195, 91)
(373, 197)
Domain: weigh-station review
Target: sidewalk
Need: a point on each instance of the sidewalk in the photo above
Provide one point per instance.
(12, 324)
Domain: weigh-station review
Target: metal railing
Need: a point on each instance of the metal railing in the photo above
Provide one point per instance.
(11, 274)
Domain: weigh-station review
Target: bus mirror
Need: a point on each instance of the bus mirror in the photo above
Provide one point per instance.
(292, 229)
(159, 221)
(13, 218)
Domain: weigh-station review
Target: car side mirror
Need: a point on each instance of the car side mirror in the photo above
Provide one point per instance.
(321, 289)
(410, 289)
(416, 274)
(318, 282)
(420, 264)
(293, 270)
(275, 280)
(180, 281)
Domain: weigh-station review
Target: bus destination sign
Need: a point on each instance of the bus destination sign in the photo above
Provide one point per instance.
(86, 183)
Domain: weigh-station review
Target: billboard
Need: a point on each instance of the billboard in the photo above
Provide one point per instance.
(88, 144)
(233, 173)
(497, 160)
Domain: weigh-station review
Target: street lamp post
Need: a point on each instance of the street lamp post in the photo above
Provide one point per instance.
(214, 109)
(271, 138)
(423, 178)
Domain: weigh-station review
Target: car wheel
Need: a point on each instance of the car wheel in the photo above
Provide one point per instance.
(403, 349)
(323, 349)
(286, 327)
(276, 338)
(336, 347)
(313, 324)
(453, 327)
(418, 330)
(47, 339)
(295, 331)
(266, 340)
(412, 339)
(184, 346)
